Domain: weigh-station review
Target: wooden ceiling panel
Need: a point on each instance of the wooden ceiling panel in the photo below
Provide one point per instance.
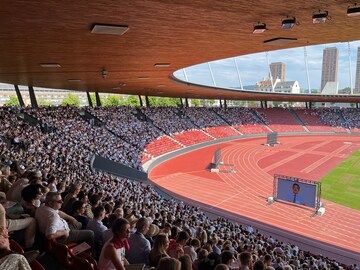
(180, 32)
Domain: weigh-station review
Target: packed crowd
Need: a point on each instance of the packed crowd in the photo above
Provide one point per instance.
(47, 188)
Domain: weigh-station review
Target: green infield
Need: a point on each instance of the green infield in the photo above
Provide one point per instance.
(342, 184)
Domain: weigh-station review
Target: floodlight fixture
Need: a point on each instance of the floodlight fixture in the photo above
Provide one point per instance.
(259, 28)
(320, 17)
(353, 11)
(288, 23)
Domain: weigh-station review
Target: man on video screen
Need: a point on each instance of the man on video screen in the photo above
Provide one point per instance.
(294, 196)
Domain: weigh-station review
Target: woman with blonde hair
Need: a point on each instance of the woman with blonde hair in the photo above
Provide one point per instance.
(158, 252)
(169, 264)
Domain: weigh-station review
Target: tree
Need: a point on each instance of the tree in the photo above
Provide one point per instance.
(195, 102)
(164, 101)
(44, 102)
(132, 101)
(71, 100)
(12, 101)
(113, 100)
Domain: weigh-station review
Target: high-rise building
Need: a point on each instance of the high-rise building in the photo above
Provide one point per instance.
(357, 78)
(277, 70)
(329, 66)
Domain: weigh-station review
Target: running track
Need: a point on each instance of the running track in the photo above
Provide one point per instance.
(244, 193)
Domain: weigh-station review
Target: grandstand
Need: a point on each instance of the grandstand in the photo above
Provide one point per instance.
(59, 209)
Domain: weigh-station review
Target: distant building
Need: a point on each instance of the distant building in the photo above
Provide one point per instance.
(357, 78)
(265, 85)
(329, 66)
(277, 70)
(279, 86)
(292, 87)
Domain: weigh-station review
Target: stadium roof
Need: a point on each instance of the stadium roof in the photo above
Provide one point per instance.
(179, 33)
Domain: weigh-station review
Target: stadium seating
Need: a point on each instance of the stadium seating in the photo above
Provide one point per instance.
(280, 120)
(65, 152)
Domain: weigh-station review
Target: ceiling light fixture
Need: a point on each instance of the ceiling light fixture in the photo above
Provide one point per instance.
(49, 65)
(259, 28)
(74, 80)
(353, 11)
(288, 23)
(160, 65)
(320, 17)
(107, 29)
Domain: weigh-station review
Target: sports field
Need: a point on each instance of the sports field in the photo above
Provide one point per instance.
(342, 184)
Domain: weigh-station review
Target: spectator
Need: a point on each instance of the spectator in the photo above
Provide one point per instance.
(175, 249)
(169, 264)
(113, 252)
(52, 222)
(245, 261)
(186, 263)
(98, 228)
(139, 246)
(159, 250)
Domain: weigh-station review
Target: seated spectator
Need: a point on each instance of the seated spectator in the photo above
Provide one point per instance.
(186, 263)
(158, 252)
(139, 246)
(52, 222)
(169, 264)
(152, 233)
(30, 198)
(221, 267)
(78, 212)
(245, 261)
(259, 265)
(227, 258)
(175, 249)
(202, 256)
(113, 252)
(192, 248)
(9, 260)
(5, 184)
(98, 228)
(71, 197)
(18, 221)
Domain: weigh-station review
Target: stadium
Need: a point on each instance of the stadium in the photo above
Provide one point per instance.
(148, 186)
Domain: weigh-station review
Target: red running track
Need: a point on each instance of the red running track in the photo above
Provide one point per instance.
(244, 193)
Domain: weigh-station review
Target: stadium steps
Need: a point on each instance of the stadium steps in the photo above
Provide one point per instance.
(227, 122)
(175, 141)
(90, 118)
(298, 119)
(199, 128)
(261, 119)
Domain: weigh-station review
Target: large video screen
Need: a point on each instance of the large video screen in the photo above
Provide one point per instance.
(296, 192)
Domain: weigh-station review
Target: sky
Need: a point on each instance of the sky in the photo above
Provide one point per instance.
(254, 67)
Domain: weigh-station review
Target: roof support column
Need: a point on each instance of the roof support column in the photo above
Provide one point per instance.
(181, 102)
(265, 104)
(357, 105)
(140, 101)
(18, 94)
(98, 100)
(220, 103)
(225, 104)
(89, 99)
(261, 104)
(32, 97)
(147, 102)
(186, 102)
